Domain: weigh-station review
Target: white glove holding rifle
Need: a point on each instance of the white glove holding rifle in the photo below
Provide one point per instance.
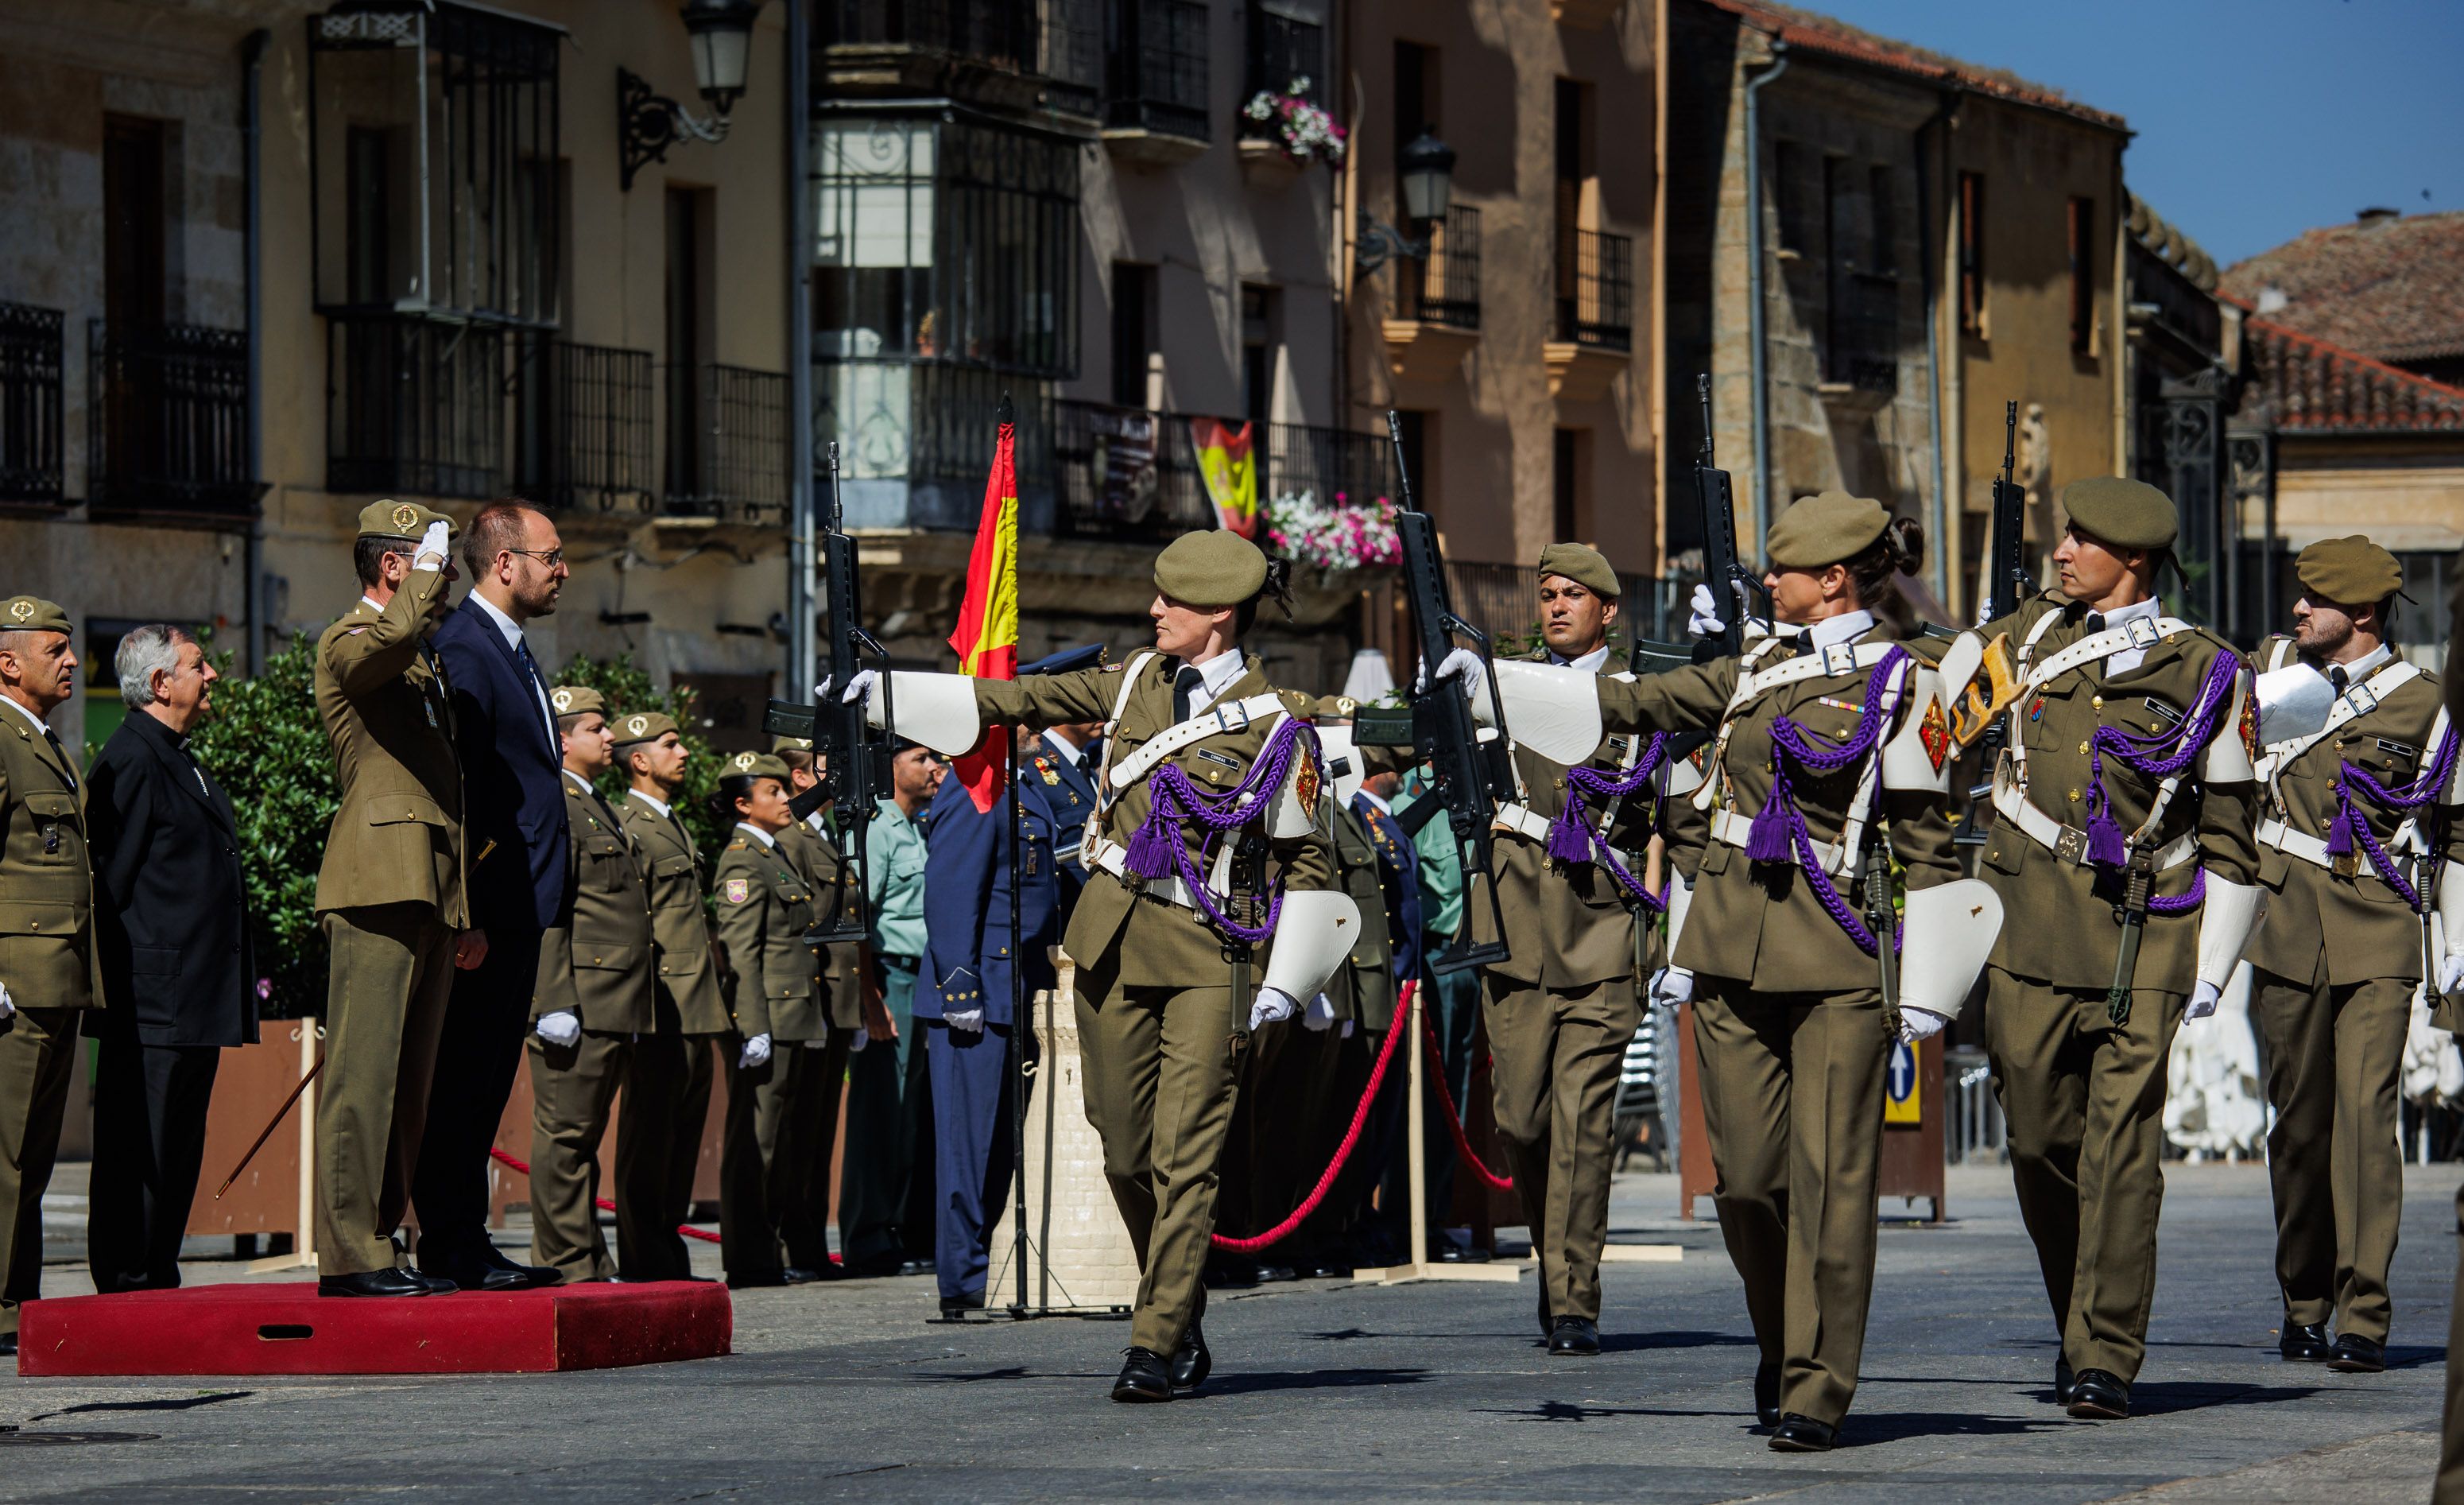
(1920, 1023)
(1274, 1006)
(755, 1052)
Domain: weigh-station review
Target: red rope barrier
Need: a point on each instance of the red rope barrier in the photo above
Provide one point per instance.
(1454, 1121)
(606, 1205)
(1351, 1137)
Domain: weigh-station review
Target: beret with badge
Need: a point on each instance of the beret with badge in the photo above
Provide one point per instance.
(406, 520)
(1216, 569)
(1830, 528)
(641, 726)
(788, 744)
(753, 765)
(32, 614)
(570, 699)
(2122, 511)
(1587, 567)
(2350, 571)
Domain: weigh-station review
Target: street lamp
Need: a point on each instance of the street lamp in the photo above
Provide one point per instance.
(1427, 170)
(648, 123)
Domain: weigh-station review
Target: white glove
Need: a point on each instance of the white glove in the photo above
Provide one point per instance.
(859, 687)
(1920, 1023)
(1703, 612)
(1345, 1033)
(1461, 665)
(2450, 977)
(8, 1005)
(1320, 1016)
(970, 1020)
(1672, 985)
(561, 1027)
(1274, 1006)
(857, 1039)
(2204, 999)
(430, 553)
(755, 1052)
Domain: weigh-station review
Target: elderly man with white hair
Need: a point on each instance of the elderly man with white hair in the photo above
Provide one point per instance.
(179, 980)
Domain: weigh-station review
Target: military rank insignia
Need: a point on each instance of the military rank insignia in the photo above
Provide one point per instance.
(736, 891)
(2037, 712)
(2250, 725)
(1305, 785)
(1934, 731)
(1045, 768)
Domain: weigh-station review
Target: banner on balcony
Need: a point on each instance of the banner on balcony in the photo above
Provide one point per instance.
(986, 636)
(1227, 460)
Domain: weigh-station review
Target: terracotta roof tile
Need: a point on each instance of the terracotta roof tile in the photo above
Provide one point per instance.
(2393, 288)
(2306, 384)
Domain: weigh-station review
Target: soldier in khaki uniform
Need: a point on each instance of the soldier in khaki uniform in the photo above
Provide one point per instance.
(2352, 806)
(780, 1005)
(1197, 738)
(668, 1075)
(592, 1000)
(390, 894)
(857, 1016)
(2448, 1014)
(2111, 695)
(47, 966)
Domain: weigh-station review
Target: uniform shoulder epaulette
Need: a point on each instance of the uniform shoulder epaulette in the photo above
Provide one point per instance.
(739, 844)
(1299, 704)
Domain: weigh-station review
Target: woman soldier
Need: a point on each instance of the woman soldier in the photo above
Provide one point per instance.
(1209, 841)
(1828, 757)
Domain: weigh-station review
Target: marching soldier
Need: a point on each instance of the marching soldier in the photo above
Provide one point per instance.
(51, 976)
(1213, 843)
(2355, 823)
(593, 1000)
(668, 1075)
(779, 1006)
(390, 894)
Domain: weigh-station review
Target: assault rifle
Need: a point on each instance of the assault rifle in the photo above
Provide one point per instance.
(2005, 584)
(850, 759)
(1473, 775)
(1734, 589)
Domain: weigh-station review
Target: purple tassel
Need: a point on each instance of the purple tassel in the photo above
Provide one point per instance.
(1567, 840)
(1769, 840)
(1152, 852)
(2339, 832)
(2105, 845)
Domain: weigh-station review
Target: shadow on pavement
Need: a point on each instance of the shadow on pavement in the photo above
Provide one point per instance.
(1862, 1431)
(176, 1403)
(1271, 1380)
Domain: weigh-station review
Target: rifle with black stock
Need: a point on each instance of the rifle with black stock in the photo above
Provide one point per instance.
(851, 760)
(1734, 589)
(1472, 774)
(2005, 584)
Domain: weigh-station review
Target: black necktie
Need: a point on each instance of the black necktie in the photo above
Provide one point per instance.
(2095, 623)
(1185, 685)
(2337, 677)
(530, 667)
(63, 754)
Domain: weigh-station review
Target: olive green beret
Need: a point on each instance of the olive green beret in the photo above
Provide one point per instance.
(788, 744)
(1827, 529)
(1380, 758)
(2350, 571)
(754, 766)
(641, 726)
(32, 614)
(1334, 708)
(1215, 568)
(575, 700)
(1587, 567)
(2125, 513)
(406, 521)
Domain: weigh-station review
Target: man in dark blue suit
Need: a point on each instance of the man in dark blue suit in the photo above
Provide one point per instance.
(963, 994)
(513, 826)
(1064, 761)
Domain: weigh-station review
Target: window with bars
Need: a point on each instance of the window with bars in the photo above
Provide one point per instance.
(1287, 44)
(1156, 72)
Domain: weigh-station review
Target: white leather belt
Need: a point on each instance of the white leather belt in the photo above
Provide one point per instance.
(2069, 843)
(2313, 849)
(1112, 858)
(1234, 715)
(1737, 831)
(1523, 821)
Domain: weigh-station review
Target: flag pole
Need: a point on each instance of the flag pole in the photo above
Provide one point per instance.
(1016, 813)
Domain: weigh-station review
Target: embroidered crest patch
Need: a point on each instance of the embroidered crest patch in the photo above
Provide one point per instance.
(1934, 731)
(406, 517)
(736, 891)
(1305, 785)
(2250, 725)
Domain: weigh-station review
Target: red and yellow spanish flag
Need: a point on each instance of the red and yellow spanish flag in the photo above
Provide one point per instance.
(1226, 460)
(986, 636)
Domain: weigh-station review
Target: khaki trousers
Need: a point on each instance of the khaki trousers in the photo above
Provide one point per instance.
(1554, 1062)
(2086, 1108)
(37, 1062)
(2449, 1488)
(2334, 1055)
(573, 1087)
(808, 1230)
(1793, 1101)
(658, 1148)
(1162, 1069)
(768, 1216)
(392, 971)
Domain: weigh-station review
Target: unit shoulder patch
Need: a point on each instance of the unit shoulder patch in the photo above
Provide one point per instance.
(736, 891)
(1934, 731)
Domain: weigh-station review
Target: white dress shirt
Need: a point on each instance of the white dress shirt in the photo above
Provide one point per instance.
(652, 801)
(768, 841)
(1215, 677)
(1591, 662)
(2133, 655)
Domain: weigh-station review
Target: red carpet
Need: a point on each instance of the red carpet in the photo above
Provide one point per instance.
(289, 1329)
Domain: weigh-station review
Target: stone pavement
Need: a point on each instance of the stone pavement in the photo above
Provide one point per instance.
(1342, 1389)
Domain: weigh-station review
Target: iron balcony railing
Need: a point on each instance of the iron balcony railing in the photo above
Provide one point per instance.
(1336, 465)
(1503, 600)
(582, 427)
(1863, 347)
(167, 422)
(1058, 41)
(30, 405)
(1594, 288)
(1128, 472)
(1156, 72)
(1443, 287)
(727, 444)
(415, 403)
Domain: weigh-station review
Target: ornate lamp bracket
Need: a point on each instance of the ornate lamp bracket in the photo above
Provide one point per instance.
(648, 123)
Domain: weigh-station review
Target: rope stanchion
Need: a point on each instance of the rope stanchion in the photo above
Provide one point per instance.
(606, 1205)
(1351, 1137)
(1454, 1120)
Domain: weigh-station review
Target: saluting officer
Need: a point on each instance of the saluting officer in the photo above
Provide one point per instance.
(781, 1004)
(51, 973)
(2355, 822)
(1213, 791)
(390, 894)
(668, 1075)
(2122, 816)
(592, 1000)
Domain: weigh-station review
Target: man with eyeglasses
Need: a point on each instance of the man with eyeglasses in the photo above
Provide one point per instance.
(515, 831)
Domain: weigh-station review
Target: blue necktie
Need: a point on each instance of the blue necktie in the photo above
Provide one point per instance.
(530, 667)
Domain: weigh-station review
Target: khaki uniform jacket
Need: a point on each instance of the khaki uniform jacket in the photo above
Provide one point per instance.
(679, 919)
(2060, 927)
(598, 964)
(2376, 933)
(1363, 989)
(1762, 925)
(48, 958)
(837, 891)
(397, 836)
(1147, 941)
(766, 905)
(1568, 925)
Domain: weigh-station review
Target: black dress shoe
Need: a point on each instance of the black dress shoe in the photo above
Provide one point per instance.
(1193, 1361)
(471, 1275)
(1766, 1394)
(1797, 1433)
(534, 1276)
(757, 1281)
(2304, 1343)
(2065, 1381)
(437, 1285)
(386, 1282)
(800, 1275)
(1144, 1377)
(956, 1307)
(8, 1346)
(2099, 1396)
(2354, 1355)
(1573, 1338)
